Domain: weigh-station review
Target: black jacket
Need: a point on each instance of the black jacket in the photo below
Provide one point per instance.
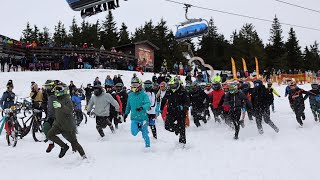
(124, 98)
(261, 98)
(236, 101)
(199, 100)
(178, 101)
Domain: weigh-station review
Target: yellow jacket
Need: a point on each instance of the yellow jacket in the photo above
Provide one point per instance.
(273, 90)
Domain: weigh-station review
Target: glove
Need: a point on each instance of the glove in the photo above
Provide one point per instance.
(120, 117)
(56, 104)
(139, 109)
(88, 113)
(125, 117)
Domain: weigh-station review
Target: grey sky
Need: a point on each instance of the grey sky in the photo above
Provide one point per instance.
(16, 13)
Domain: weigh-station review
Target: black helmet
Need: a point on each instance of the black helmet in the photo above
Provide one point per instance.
(97, 90)
(315, 86)
(119, 87)
(258, 83)
(246, 86)
(148, 85)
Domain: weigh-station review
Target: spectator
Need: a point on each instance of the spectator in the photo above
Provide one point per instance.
(9, 62)
(113, 50)
(109, 81)
(72, 88)
(23, 63)
(154, 78)
(176, 68)
(188, 78)
(66, 61)
(181, 69)
(2, 62)
(161, 78)
(96, 82)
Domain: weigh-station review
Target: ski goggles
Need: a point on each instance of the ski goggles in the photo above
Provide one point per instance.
(257, 84)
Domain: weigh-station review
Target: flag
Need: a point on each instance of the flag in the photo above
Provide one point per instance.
(234, 70)
(244, 65)
(257, 67)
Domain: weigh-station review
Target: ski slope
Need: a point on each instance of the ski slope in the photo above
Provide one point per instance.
(210, 154)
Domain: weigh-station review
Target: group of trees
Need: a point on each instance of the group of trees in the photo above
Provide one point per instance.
(213, 47)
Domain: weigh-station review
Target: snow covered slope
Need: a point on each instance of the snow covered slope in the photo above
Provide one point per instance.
(210, 154)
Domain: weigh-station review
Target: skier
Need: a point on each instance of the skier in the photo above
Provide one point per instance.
(297, 99)
(101, 100)
(234, 100)
(138, 104)
(272, 91)
(216, 96)
(261, 101)
(64, 122)
(199, 103)
(315, 101)
(76, 98)
(178, 104)
(148, 87)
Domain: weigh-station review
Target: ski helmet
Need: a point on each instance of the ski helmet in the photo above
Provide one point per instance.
(246, 86)
(148, 85)
(194, 86)
(188, 87)
(208, 86)
(119, 87)
(49, 86)
(233, 88)
(61, 89)
(136, 84)
(226, 88)
(257, 83)
(315, 86)
(216, 86)
(174, 84)
(269, 84)
(163, 86)
(97, 90)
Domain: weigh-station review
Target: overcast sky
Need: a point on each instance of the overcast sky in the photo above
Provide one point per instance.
(14, 15)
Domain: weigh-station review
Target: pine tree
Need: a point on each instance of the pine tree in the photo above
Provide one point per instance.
(46, 35)
(60, 34)
(27, 33)
(74, 33)
(275, 48)
(294, 55)
(108, 33)
(124, 35)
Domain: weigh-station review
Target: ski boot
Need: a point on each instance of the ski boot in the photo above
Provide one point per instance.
(50, 147)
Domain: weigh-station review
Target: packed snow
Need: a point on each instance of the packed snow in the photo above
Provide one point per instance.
(210, 153)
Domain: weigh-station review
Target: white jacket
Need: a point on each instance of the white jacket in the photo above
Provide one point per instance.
(152, 98)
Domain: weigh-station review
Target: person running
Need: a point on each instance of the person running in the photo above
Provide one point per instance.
(64, 122)
(88, 93)
(148, 87)
(216, 96)
(261, 102)
(76, 98)
(122, 93)
(199, 102)
(178, 105)
(101, 102)
(138, 104)
(272, 91)
(314, 101)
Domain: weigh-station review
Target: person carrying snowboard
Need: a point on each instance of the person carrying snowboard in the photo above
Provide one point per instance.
(138, 104)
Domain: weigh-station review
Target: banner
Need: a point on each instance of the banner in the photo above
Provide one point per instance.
(234, 70)
(244, 65)
(257, 67)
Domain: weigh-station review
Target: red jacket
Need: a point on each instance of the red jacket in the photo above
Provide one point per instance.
(216, 96)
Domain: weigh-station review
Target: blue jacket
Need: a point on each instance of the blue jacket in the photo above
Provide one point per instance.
(287, 92)
(77, 100)
(137, 100)
(109, 82)
(7, 100)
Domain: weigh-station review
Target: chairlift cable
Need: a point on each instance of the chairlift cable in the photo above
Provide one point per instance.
(298, 6)
(245, 16)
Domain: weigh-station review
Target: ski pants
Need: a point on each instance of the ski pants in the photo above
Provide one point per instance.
(176, 123)
(216, 113)
(102, 122)
(143, 127)
(69, 135)
(316, 112)
(265, 114)
(197, 116)
(2, 67)
(79, 116)
(152, 124)
(299, 111)
(235, 118)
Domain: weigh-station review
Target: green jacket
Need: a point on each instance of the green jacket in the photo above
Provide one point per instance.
(64, 118)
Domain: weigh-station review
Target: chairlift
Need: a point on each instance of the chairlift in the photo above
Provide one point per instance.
(92, 7)
(191, 28)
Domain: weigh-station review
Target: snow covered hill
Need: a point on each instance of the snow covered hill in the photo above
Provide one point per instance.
(210, 154)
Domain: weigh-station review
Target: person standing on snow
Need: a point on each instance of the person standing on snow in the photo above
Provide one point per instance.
(64, 122)
(178, 105)
(138, 104)
(101, 102)
(148, 87)
(261, 102)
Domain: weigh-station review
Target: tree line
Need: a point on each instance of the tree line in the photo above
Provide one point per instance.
(214, 48)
